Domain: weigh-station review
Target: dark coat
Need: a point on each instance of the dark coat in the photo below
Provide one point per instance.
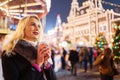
(73, 56)
(104, 65)
(18, 66)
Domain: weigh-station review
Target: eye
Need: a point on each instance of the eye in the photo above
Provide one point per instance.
(33, 24)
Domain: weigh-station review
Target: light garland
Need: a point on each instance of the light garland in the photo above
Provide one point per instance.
(15, 10)
(112, 4)
(116, 42)
(24, 5)
(5, 2)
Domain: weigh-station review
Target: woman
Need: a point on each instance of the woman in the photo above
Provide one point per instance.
(104, 62)
(23, 58)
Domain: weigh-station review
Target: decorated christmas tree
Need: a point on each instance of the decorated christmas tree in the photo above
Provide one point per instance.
(100, 42)
(116, 42)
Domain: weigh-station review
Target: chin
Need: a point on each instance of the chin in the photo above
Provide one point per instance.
(36, 38)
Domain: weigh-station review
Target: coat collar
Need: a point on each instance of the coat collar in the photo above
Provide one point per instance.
(27, 50)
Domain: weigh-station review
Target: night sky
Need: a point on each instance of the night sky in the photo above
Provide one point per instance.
(62, 7)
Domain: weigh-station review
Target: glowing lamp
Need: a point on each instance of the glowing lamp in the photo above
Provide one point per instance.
(116, 43)
(115, 47)
(95, 45)
(119, 27)
(98, 38)
(112, 40)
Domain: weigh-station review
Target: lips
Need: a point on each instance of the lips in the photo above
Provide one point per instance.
(36, 33)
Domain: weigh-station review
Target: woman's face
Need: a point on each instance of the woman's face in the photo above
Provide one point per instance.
(32, 30)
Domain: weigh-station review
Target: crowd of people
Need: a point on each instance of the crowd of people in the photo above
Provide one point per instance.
(83, 56)
(88, 58)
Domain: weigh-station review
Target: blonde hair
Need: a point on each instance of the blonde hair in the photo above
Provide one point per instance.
(10, 41)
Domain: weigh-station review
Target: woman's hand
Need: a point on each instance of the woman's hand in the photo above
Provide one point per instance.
(44, 54)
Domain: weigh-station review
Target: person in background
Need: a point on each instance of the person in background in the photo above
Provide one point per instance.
(53, 57)
(104, 63)
(73, 58)
(90, 57)
(23, 56)
(84, 57)
(64, 52)
(95, 53)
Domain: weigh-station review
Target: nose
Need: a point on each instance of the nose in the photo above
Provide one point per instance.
(37, 27)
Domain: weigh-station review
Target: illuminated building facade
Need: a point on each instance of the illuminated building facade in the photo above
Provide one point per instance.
(86, 22)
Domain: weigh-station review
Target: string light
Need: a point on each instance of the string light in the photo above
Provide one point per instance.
(112, 4)
(16, 9)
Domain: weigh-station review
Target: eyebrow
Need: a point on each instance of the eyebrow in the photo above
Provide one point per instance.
(36, 24)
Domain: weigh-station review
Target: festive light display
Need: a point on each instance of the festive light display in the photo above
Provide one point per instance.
(112, 4)
(18, 8)
(100, 42)
(116, 41)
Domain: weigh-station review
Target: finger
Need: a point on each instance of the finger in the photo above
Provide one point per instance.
(45, 55)
(42, 51)
(41, 46)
